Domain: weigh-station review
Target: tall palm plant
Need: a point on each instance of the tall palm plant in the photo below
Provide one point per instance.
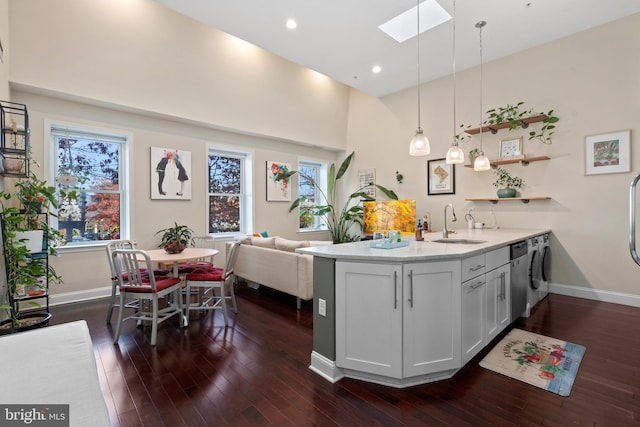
(339, 222)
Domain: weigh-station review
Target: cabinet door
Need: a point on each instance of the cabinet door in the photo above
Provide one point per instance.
(473, 317)
(497, 299)
(369, 318)
(431, 303)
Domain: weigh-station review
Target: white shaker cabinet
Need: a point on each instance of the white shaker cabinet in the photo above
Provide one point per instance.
(485, 300)
(398, 320)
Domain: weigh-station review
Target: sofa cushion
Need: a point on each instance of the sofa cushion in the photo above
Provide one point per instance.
(264, 242)
(290, 245)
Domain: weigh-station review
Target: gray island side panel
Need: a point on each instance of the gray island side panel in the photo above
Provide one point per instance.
(324, 327)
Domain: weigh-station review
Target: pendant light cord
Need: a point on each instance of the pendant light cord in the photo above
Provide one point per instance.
(455, 140)
(480, 25)
(418, 32)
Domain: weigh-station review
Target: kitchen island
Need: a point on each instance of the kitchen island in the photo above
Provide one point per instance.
(413, 314)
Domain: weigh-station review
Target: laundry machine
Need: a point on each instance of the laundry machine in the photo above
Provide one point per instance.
(545, 266)
(534, 276)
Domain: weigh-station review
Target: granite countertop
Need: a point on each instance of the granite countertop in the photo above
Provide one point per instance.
(427, 249)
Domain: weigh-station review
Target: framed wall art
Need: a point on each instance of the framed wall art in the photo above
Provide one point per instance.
(510, 148)
(170, 174)
(441, 177)
(278, 191)
(607, 153)
(367, 181)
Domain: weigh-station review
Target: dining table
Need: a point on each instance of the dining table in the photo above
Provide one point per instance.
(188, 254)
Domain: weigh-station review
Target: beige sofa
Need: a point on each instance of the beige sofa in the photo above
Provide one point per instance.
(272, 262)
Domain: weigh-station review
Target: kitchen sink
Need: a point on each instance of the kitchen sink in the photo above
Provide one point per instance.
(460, 241)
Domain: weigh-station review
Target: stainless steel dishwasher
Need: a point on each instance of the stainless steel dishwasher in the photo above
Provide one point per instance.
(519, 273)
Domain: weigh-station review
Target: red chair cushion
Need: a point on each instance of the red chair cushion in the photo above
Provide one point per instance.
(190, 267)
(206, 274)
(161, 284)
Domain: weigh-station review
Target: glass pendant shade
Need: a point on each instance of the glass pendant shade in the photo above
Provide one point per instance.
(481, 163)
(419, 145)
(455, 154)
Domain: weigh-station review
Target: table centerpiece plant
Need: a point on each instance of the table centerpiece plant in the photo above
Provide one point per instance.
(176, 238)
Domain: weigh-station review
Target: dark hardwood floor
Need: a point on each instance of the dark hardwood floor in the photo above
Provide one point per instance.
(256, 373)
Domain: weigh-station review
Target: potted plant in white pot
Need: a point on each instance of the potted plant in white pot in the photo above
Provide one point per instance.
(506, 183)
(27, 271)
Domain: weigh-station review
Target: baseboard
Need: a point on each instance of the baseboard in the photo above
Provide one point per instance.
(325, 368)
(79, 296)
(595, 294)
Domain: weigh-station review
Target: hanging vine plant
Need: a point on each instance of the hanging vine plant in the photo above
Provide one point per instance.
(516, 116)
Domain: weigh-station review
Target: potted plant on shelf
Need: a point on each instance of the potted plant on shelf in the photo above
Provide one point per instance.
(338, 222)
(506, 183)
(176, 238)
(27, 269)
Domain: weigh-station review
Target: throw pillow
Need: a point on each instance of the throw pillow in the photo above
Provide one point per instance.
(290, 245)
(264, 242)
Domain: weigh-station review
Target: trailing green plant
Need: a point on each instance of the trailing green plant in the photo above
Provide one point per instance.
(174, 239)
(506, 180)
(515, 115)
(339, 222)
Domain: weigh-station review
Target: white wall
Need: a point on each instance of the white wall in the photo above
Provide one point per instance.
(591, 81)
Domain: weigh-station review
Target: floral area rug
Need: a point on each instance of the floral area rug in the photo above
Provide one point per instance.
(541, 361)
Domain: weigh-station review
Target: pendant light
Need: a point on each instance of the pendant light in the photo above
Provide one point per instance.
(455, 153)
(419, 145)
(482, 162)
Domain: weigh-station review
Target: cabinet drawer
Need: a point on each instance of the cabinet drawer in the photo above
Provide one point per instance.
(472, 267)
(497, 258)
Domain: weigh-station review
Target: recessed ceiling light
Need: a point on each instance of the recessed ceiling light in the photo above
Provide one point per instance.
(291, 24)
(403, 26)
(376, 69)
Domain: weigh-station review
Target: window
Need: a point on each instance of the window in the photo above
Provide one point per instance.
(311, 185)
(230, 204)
(88, 170)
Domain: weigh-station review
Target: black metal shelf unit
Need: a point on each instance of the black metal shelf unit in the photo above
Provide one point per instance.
(14, 139)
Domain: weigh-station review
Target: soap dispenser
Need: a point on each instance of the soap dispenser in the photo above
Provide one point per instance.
(419, 229)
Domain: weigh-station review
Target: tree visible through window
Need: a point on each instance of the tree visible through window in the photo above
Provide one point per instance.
(88, 174)
(227, 197)
(311, 180)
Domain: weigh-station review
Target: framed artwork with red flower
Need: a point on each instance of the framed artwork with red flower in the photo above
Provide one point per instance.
(278, 191)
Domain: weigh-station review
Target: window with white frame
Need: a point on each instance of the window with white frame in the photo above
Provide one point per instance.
(312, 186)
(230, 203)
(89, 171)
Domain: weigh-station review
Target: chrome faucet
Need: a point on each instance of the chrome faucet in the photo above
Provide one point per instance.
(445, 231)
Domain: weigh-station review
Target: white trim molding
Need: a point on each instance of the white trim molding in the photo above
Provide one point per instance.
(595, 294)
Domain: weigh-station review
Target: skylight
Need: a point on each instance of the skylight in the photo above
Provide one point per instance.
(403, 26)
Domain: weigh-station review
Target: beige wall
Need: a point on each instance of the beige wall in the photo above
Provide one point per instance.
(590, 79)
(141, 55)
(4, 37)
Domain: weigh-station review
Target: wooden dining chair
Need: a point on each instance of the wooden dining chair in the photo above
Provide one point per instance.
(205, 281)
(135, 283)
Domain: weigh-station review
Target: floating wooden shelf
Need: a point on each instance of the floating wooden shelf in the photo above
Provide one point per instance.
(524, 123)
(495, 200)
(525, 161)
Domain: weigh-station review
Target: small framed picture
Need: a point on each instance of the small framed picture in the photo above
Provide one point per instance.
(510, 148)
(367, 181)
(441, 177)
(607, 153)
